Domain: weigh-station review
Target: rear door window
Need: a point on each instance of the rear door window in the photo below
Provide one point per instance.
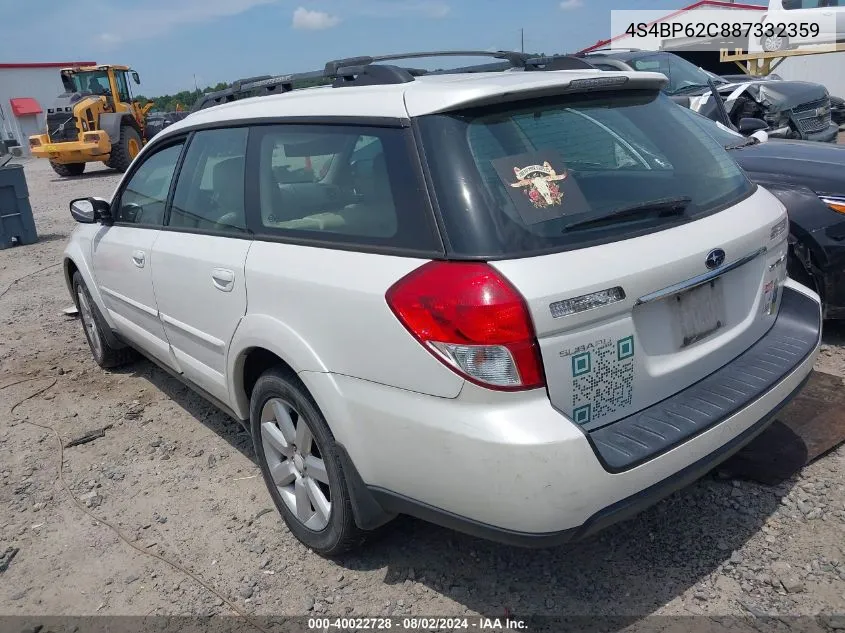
(340, 185)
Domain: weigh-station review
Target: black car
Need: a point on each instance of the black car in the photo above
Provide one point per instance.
(791, 109)
(157, 121)
(809, 179)
(837, 104)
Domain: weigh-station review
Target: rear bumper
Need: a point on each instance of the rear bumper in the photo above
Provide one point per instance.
(510, 468)
(727, 391)
(604, 518)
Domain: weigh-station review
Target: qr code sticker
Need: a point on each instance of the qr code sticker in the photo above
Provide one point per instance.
(602, 380)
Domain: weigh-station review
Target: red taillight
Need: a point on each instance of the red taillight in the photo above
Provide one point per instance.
(471, 318)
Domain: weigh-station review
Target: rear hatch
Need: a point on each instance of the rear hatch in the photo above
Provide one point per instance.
(678, 321)
(646, 257)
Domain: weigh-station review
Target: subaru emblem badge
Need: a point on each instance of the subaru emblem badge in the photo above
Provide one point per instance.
(715, 258)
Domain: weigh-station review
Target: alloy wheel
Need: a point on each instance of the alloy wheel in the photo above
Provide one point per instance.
(296, 464)
(773, 44)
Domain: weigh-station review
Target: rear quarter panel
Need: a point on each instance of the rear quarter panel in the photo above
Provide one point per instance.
(324, 310)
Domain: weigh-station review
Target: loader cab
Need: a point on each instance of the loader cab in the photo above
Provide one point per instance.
(111, 82)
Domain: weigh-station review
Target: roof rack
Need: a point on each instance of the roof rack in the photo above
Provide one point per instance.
(254, 87)
(366, 71)
(611, 49)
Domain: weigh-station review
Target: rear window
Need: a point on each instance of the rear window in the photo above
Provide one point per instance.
(569, 172)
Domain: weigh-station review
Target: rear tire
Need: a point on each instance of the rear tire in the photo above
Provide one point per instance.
(300, 465)
(126, 148)
(68, 170)
(95, 328)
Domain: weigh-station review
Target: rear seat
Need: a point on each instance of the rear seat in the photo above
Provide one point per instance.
(375, 216)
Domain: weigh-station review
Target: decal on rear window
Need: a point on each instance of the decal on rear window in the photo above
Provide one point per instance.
(540, 186)
(602, 378)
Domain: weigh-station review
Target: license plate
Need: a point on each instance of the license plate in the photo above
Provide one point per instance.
(50, 148)
(701, 312)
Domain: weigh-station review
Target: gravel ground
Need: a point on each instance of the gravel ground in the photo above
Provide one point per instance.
(178, 478)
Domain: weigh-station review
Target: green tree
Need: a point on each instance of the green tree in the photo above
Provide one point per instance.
(186, 98)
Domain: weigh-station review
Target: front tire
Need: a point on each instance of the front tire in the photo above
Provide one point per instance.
(300, 465)
(69, 169)
(105, 355)
(125, 150)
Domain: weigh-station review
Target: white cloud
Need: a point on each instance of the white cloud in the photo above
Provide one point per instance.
(568, 5)
(313, 20)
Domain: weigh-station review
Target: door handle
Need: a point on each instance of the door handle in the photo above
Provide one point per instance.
(139, 258)
(223, 279)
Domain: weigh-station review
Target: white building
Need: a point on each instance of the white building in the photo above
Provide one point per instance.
(827, 69)
(26, 91)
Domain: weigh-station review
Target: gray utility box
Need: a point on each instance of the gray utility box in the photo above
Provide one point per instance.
(17, 226)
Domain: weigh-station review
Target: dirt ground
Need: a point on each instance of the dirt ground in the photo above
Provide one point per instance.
(178, 478)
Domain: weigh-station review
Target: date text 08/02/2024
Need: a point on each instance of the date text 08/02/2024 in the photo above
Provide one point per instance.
(791, 30)
(416, 624)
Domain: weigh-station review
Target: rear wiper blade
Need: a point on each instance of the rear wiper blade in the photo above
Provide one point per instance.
(664, 207)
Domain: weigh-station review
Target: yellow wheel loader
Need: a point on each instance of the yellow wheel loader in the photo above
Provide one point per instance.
(94, 120)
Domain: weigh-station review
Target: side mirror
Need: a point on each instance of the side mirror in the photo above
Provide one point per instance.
(82, 211)
(748, 125)
(135, 77)
(90, 210)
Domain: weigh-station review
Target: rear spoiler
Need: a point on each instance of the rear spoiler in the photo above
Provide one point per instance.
(551, 84)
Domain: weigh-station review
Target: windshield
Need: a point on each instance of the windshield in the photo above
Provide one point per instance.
(683, 75)
(95, 81)
(510, 179)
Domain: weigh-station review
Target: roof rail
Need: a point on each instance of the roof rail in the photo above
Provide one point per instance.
(255, 87)
(529, 63)
(630, 49)
(365, 71)
(336, 67)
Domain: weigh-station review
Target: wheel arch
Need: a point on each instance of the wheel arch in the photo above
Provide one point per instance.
(74, 260)
(259, 343)
(111, 122)
(808, 218)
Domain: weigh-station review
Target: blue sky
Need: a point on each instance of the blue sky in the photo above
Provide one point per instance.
(170, 41)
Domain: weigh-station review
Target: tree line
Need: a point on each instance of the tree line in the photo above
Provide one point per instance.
(186, 98)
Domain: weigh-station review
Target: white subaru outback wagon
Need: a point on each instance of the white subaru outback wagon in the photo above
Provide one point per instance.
(524, 305)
